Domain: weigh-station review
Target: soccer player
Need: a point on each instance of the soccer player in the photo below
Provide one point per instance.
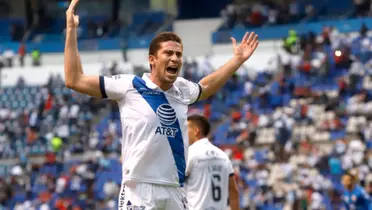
(210, 176)
(355, 197)
(153, 112)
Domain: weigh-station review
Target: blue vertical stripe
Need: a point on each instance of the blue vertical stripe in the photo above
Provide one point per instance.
(156, 99)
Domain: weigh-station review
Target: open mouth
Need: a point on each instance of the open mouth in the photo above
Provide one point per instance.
(172, 70)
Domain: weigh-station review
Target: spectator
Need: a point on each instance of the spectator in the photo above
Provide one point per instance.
(111, 189)
(36, 56)
(291, 41)
(92, 29)
(8, 55)
(21, 54)
(361, 7)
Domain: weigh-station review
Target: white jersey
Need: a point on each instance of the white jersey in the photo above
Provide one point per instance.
(154, 127)
(208, 171)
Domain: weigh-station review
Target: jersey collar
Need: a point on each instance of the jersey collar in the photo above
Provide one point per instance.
(151, 84)
(203, 140)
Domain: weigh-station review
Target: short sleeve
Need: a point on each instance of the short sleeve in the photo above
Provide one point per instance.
(189, 164)
(191, 91)
(115, 87)
(230, 168)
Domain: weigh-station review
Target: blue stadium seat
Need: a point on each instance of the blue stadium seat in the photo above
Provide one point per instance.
(20, 97)
(220, 133)
(49, 169)
(9, 91)
(39, 188)
(20, 197)
(369, 144)
(335, 135)
(15, 105)
(38, 149)
(3, 170)
(34, 90)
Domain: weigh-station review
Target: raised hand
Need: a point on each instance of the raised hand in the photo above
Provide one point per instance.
(246, 48)
(72, 20)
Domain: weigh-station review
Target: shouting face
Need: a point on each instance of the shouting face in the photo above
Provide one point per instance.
(166, 64)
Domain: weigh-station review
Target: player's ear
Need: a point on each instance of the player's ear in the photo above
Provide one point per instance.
(197, 130)
(152, 60)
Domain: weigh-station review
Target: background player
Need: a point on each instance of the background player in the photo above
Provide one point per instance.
(210, 176)
(153, 113)
(355, 197)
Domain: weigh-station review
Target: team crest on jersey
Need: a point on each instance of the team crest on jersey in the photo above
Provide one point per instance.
(167, 117)
(212, 153)
(116, 76)
(179, 93)
(353, 198)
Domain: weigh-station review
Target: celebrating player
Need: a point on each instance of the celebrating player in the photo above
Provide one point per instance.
(210, 176)
(355, 197)
(153, 112)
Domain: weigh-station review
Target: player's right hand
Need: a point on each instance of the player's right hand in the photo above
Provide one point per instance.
(72, 20)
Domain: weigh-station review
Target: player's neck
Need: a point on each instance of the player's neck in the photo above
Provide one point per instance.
(162, 85)
(351, 188)
(199, 139)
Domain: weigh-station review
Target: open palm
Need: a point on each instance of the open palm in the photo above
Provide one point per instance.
(247, 46)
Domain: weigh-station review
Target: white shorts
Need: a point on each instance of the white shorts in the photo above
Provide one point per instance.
(146, 196)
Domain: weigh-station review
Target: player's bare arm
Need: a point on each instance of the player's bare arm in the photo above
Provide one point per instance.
(74, 75)
(233, 194)
(213, 82)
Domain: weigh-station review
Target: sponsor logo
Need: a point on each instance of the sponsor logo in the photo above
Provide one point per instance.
(130, 206)
(170, 132)
(166, 114)
(146, 91)
(184, 203)
(122, 198)
(151, 92)
(167, 117)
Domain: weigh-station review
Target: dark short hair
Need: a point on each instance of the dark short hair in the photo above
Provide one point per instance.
(202, 123)
(351, 175)
(160, 38)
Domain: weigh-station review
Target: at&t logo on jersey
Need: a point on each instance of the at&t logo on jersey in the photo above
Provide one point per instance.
(167, 117)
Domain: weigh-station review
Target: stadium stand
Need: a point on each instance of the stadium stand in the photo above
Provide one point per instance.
(291, 129)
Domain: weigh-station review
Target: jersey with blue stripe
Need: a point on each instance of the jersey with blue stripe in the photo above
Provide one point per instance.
(154, 126)
(357, 199)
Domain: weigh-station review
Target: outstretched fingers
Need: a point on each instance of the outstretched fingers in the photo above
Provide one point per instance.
(233, 40)
(254, 40)
(255, 45)
(72, 6)
(245, 38)
(251, 38)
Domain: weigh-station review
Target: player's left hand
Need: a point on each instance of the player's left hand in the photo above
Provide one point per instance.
(246, 48)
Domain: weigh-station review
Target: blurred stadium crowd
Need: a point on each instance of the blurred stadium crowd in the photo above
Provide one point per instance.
(291, 130)
(270, 12)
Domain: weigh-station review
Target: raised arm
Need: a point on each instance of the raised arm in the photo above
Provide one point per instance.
(74, 75)
(215, 81)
